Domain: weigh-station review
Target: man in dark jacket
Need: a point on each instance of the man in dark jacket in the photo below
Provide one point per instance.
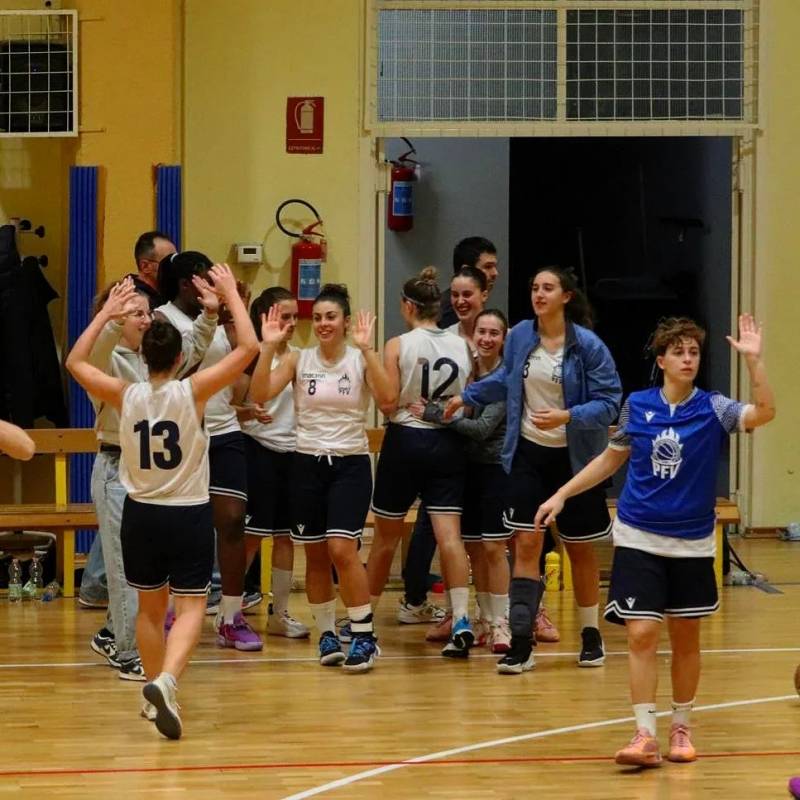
(150, 248)
(474, 251)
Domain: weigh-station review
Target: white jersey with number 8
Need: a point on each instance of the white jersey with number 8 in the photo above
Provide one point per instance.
(434, 365)
(164, 447)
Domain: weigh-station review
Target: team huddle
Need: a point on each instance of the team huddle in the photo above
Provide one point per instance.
(212, 425)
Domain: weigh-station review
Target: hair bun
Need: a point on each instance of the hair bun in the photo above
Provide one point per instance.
(428, 275)
(335, 289)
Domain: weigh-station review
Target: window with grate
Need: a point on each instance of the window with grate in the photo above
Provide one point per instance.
(37, 73)
(468, 64)
(655, 64)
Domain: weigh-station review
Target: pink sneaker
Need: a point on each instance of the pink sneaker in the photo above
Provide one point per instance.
(501, 637)
(482, 631)
(641, 751)
(238, 635)
(543, 628)
(169, 621)
(681, 748)
(794, 787)
(441, 631)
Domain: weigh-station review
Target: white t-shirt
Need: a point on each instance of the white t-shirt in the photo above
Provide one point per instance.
(456, 329)
(625, 535)
(543, 389)
(164, 447)
(280, 434)
(434, 364)
(331, 404)
(220, 416)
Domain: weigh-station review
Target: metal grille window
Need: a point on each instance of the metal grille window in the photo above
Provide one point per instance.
(467, 64)
(655, 64)
(38, 54)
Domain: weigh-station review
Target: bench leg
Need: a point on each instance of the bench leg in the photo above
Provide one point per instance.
(266, 565)
(65, 561)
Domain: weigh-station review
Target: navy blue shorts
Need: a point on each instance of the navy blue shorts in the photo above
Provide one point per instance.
(484, 503)
(227, 465)
(268, 495)
(647, 586)
(536, 473)
(167, 545)
(329, 496)
(428, 463)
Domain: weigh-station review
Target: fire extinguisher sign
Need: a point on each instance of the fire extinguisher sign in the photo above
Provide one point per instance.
(304, 124)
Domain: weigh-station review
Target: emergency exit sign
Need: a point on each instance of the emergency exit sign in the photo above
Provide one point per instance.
(305, 118)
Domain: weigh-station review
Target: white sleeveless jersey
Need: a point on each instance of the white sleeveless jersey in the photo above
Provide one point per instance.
(220, 416)
(331, 404)
(434, 365)
(281, 433)
(164, 447)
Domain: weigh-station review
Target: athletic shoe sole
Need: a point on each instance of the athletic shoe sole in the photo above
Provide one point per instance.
(167, 721)
(110, 660)
(332, 659)
(676, 758)
(92, 604)
(244, 647)
(132, 676)
(517, 669)
(638, 761)
(452, 650)
(364, 666)
(464, 639)
(595, 662)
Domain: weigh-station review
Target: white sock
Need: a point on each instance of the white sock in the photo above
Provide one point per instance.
(360, 618)
(281, 586)
(587, 617)
(374, 599)
(646, 716)
(484, 605)
(681, 712)
(324, 615)
(498, 603)
(230, 607)
(459, 599)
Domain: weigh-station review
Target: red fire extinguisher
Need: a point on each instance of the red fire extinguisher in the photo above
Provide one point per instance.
(400, 211)
(308, 255)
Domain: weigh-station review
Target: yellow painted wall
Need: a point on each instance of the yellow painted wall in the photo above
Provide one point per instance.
(776, 449)
(239, 69)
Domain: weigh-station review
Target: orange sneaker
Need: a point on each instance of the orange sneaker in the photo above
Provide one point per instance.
(681, 748)
(543, 628)
(641, 751)
(441, 631)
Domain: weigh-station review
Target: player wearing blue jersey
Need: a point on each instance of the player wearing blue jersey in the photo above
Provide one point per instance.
(664, 531)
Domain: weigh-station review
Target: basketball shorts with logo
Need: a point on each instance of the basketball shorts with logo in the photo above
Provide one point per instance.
(428, 463)
(227, 465)
(537, 472)
(329, 496)
(167, 545)
(648, 586)
(268, 498)
(484, 503)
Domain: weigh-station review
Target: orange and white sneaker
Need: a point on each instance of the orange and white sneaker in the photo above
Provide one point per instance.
(641, 751)
(501, 637)
(543, 628)
(681, 748)
(442, 630)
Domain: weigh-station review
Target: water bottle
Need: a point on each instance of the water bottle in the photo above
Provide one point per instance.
(51, 591)
(33, 588)
(14, 581)
(552, 571)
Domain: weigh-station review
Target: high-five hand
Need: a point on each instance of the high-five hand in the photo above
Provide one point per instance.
(362, 330)
(120, 295)
(749, 342)
(224, 281)
(271, 332)
(208, 298)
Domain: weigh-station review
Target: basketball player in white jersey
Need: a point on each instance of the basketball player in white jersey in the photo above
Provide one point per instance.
(421, 458)
(331, 478)
(167, 530)
(270, 440)
(228, 486)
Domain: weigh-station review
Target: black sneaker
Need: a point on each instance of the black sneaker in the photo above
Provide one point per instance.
(363, 652)
(519, 657)
(104, 645)
(592, 652)
(132, 670)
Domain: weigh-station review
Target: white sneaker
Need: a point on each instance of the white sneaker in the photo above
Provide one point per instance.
(148, 712)
(161, 693)
(284, 625)
(418, 615)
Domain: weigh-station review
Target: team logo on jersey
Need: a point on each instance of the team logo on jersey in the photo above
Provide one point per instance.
(648, 415)
(558, 373)
(631, 601)
(666, 455)
(344, 384)
(300, 528)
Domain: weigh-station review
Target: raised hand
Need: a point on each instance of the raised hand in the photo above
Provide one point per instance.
(271, 332)
(224, 282)
(121, 294)
(361, 332)
(749, 342)
(208, 298)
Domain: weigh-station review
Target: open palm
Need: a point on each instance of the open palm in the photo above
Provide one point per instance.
(749, 342)
(271, 332)
(362, 330)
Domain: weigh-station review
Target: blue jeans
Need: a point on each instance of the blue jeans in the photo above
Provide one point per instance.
(109, 496)
(94, 587)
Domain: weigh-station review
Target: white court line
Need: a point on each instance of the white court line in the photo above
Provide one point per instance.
(433, 657)
(525, 737)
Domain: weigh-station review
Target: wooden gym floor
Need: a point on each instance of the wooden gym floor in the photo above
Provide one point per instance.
(277, 725)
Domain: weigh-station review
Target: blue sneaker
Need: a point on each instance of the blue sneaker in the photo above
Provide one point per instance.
(363, 652)
(330, 650)
(345, 632)
(461, 639)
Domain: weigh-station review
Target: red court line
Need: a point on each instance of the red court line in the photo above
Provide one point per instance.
(444, 762)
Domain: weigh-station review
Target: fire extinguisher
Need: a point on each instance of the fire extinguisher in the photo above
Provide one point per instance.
(308, 255)
(400, 216)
